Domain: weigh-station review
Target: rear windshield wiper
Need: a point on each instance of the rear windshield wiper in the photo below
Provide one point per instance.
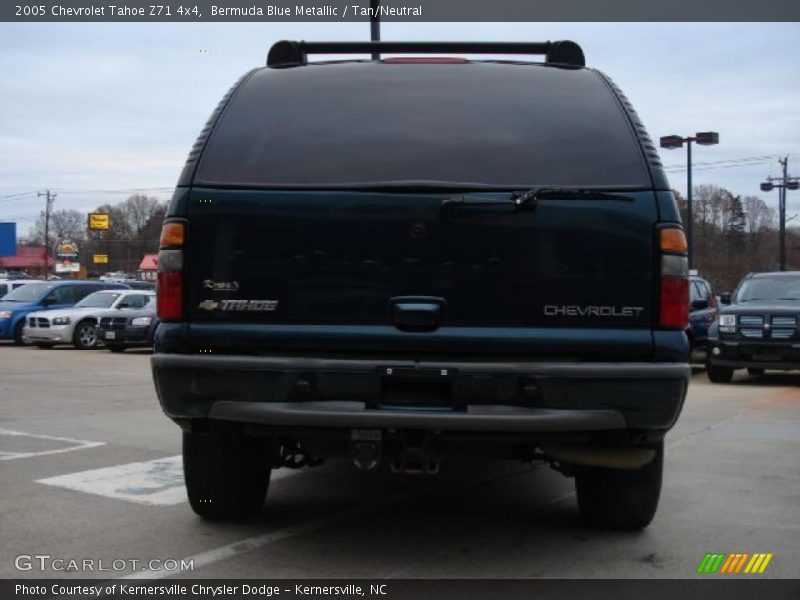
(528, 200)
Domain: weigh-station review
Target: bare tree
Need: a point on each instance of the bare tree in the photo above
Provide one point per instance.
(138, 210)
(65, 223)
(134, 227)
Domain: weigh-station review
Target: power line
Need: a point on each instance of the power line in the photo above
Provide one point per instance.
(721, 164)
(11, 196)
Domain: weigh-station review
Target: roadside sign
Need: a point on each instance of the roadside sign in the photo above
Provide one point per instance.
(100, 259)
(8, 239)
(98, 221)
(67, 256)
(68, 267)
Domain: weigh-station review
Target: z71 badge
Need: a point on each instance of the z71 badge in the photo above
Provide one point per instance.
(221, 286)
(239, 305)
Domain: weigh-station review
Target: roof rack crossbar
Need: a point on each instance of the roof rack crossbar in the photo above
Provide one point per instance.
(294, 54)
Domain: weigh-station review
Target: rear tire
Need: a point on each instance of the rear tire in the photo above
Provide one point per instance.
(755, 372)
(115, 347)
(620, 499)
(719, 374)
(227, 473)
(85, 336)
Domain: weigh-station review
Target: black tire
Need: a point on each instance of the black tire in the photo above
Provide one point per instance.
(116, 347)
(85, 336)
(620, 499)
(227, 473)
(755, 372)
(18, 341)
(44, 345)
(719, 374)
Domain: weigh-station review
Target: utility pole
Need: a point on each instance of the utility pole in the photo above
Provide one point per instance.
(50, 199)
(782, 207)
(786, 183)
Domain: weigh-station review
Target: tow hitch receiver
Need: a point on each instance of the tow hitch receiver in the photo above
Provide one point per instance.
(366, 448)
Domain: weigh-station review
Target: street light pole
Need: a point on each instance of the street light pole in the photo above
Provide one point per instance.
(670, 142)
(689, 246)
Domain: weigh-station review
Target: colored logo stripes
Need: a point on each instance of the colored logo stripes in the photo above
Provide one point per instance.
(734, 563)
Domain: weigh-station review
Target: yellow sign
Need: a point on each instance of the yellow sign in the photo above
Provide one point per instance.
(98, 221)
(100, 259)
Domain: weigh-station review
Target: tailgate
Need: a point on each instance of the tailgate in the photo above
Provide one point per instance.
(263, 263)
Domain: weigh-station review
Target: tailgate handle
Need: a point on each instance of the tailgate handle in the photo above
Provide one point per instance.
(417, 313)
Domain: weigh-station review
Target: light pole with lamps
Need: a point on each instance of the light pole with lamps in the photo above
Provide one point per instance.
(671, 142)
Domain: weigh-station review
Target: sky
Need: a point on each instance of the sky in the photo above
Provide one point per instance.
(96, 111)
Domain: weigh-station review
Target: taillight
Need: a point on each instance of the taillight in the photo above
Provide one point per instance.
(169, 302)
(674, 296)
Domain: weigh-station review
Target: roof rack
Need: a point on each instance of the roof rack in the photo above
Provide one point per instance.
(286, 53)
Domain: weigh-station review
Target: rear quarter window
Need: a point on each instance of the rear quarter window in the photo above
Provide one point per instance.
(492, 124)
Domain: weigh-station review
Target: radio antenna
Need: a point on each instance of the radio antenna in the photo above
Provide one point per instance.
(375, 25)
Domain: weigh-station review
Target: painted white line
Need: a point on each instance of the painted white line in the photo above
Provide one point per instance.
(209, 557)
(233, 549)
(74, 445)
(562, 497)
(154, 483)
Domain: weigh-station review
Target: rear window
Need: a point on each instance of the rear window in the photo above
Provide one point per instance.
(490, 124)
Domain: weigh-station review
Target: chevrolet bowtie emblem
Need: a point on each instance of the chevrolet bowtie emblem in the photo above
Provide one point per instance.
(208, 305)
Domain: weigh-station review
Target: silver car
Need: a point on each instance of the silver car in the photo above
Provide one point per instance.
(77, 325)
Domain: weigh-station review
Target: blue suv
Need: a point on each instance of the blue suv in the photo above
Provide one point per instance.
(703, 310)
(16, 305)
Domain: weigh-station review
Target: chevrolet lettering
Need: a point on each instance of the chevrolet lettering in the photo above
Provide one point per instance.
(593, 311)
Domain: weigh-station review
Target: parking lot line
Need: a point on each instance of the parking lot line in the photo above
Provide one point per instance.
(75, 444)
(249, 544)
(156, 482)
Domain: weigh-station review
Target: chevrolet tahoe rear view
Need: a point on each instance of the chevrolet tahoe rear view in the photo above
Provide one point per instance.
(397, 261)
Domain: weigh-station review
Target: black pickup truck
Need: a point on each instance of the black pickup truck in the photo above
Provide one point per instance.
(400, 260)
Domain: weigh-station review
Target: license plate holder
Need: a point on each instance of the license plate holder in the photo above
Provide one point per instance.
(415, 389)
(111, 335)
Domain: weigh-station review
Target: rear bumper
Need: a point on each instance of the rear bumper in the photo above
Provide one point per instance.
(486, 396)
(755, 355)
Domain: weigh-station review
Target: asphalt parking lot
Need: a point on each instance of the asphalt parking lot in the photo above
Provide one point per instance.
(89, 469)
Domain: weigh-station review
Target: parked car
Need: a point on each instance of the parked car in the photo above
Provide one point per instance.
(119, 330)
(15, 274)
(16, 305)
(77, 325)
(757, 327)
(9, 285)
(703, 308)
(400, 260)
